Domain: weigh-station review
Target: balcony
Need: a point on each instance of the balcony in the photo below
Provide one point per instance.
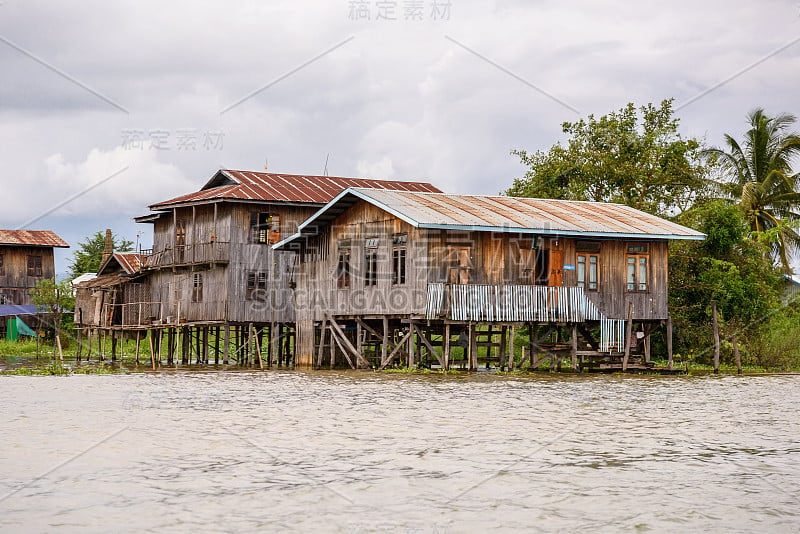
(192, 254)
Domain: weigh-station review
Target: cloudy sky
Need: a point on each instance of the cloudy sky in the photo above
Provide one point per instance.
(108, 106)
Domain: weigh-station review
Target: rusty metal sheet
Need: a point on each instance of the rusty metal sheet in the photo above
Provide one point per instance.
(247, 185)
(32, 238)
(496, 213)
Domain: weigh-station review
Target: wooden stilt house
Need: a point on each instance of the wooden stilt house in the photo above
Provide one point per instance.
(398, 276)
(212, 265)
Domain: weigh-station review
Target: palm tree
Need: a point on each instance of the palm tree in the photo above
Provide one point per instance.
(760, 176)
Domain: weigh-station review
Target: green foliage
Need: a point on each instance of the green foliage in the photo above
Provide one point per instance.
(90, 253)
(56, 299)
(730, 268)
(620, 157)
(758, 174)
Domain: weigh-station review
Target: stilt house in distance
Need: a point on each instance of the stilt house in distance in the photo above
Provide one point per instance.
(212, 265)
(26, 257)
(383, 274)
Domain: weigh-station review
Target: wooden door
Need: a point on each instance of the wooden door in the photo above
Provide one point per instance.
(556, 277)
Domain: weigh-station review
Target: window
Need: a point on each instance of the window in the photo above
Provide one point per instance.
(636, 277)
(459, 259)
(637, 273)
(34, 266)
(256, 286)
(265, 228)
(180, 232)
(197, 287)
(399, 242)
(371, 261)
(587, 270)
(343, 266)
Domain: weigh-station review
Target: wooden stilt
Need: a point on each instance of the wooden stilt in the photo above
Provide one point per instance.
(136, 353)
(216, 345)
(510, 346)
(185, 345)
(647, 356)
(501, 356)
(385, 342)
(258, 348)
(152, 352)
(411, 349)
(78, 333)
(226, 345)
(446, 347)
(359, 339)
(473, 348)
(113, 346)
(320, 349)
(205, 344)
(574, 347)
(333, 349)
(715, 326)
(628, 337)
(669, 342)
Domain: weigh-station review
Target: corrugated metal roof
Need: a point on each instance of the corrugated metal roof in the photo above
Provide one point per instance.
(32, 238)
(247, 185)
(505, 214)
(131, 262)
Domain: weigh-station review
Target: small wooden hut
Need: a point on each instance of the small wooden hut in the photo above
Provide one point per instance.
(388, 276)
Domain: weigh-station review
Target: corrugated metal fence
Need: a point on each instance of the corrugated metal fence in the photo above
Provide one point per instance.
(515, 303)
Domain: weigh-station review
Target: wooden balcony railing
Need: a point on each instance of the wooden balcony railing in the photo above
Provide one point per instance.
(192, 254)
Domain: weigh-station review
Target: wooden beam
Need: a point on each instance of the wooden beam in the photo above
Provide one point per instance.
(226, 344)
(587, 335)
(368, 328)
(258, 348)
(346, 342)
(473, 348)
(395, 350)
(385, 343)
(335, 339)
(510, 344)
(430, 347)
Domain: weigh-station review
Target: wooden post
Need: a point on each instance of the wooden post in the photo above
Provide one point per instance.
(80, 344)
(385, 342)
(737, 356)
(669, 342)
(152, 352)
(185, 345)
(628, 337)
(88, 343)
(113, 346)
(258, 348)
(226, 344)
(715, 326)
(446, 346)
(574, 347)
(501, 356)
(58, 344)
(321, 348)
(473, 348)
(510, 344)
(359, 341)
(647, 356)
(216, 336)
(411, 348)
(138, 335)
(274, 341)
(333, 349)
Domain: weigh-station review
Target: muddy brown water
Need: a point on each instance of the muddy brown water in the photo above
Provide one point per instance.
(368, 452)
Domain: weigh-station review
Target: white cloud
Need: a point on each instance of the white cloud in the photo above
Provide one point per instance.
(89, 189)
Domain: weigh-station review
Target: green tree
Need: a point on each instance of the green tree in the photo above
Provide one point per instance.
(55, 298)
(758, 174)
(620, 157)
(90, 253)
(728, 267)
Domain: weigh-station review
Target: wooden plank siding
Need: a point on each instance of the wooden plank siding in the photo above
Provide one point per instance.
(225, 294)
(15, 283)
(489, 258)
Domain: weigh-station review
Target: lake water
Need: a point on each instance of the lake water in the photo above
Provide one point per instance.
(368, 452)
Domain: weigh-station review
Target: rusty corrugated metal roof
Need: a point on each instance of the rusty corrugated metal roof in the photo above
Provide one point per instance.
(247, 185)
(131, 262)
(505, 214)
(32, 238)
